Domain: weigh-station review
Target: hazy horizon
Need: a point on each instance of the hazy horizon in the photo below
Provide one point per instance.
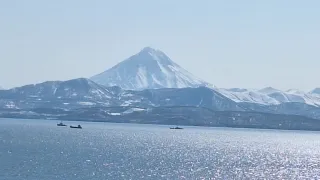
(229, 44)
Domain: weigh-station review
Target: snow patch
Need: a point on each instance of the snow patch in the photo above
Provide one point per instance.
(130, 102)
(55, 91)
(114, 114)
(87, 103)
(127, 95)
(11, 105)
(141, 78)
(131, 110)
(100, 93)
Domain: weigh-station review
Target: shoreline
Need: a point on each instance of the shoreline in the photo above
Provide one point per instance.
(161, 124)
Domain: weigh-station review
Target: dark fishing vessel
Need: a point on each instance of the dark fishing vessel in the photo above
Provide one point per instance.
(76, 127)
(61, 124)
(176, 127)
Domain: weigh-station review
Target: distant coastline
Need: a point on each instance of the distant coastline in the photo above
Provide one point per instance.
(190, 116)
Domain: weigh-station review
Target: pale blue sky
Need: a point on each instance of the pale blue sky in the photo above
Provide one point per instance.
(231, 43)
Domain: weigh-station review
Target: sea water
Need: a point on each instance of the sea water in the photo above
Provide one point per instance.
(38, 149)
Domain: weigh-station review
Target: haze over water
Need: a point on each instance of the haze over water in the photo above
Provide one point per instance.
(33, 149)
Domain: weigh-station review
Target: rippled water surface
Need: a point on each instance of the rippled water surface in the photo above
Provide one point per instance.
(35, 149)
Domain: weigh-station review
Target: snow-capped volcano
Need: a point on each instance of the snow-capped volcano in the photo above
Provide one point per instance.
(148, 69)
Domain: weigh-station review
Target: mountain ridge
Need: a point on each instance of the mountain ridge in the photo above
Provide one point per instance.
(271, 96)
(315, 91)
(83, 99)
(85, 92)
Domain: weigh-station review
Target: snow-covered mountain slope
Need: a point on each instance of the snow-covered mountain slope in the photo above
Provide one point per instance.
(84, 93)
(69, 94)
(74, 89)
(315, 91)
(245, 95)
(270, 96)
(148, 69)
(268, 90)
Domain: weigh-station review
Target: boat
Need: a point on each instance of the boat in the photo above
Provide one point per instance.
(176, 127)
(61, 124)
(76, 127)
